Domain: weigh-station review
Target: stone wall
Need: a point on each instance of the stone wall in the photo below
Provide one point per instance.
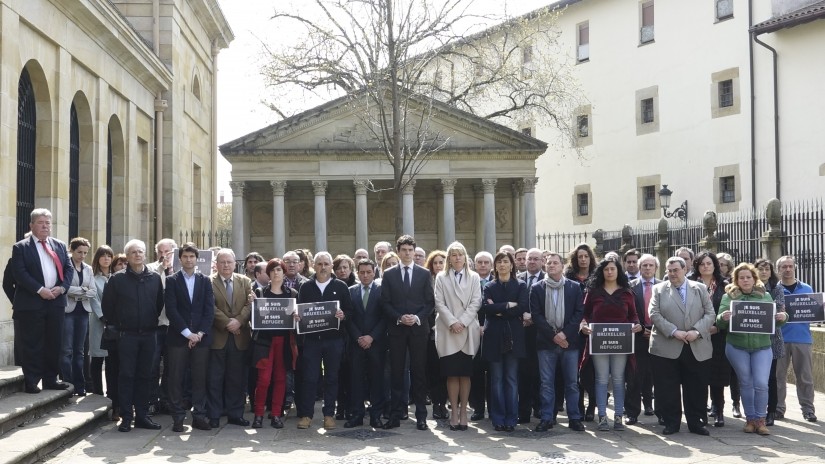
(818, 360)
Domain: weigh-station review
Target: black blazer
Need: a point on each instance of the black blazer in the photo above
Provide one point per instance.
(28, 275)
(398, 300)
(501, 320)
(8, 282)
(573, 314)
(196, 315)
(370, 320)
(525, 276)
(642, 343)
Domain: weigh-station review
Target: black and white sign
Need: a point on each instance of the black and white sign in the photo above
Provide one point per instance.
(204, 264)
(805, 307)
(273, 313)
(752, 317)
(613, 338)
(317, 317)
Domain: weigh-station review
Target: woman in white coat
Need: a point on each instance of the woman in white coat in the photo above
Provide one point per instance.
(457, 332)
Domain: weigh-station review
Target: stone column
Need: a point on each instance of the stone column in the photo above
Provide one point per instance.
(771, 240)
(662, 247)
(530, 211)
(278, 217)
(320, 189)
(238, 213)
(448, 186)
(489, 186)
(478, 206)
(517, 224)
(409, 209)
(361, 224)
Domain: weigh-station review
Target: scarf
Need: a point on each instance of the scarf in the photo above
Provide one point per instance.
(554, 311)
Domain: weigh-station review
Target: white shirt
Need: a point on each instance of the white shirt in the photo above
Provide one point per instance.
(47, 264)
(323, 285)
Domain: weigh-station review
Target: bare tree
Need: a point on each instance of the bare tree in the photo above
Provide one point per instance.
(394, 58)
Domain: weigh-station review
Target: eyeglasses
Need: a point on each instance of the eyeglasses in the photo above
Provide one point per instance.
(291, 261)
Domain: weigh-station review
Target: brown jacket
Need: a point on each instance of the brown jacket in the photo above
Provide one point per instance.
(240, 310)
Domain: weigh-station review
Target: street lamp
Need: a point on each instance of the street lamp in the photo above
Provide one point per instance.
(664, 197)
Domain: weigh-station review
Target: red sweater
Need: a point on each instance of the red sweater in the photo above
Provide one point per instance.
(600, 306)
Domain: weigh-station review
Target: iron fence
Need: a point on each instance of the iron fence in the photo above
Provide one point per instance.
(206, 239)
(561, 242)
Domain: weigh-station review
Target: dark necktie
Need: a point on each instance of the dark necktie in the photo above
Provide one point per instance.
(56, 260)
(407, 276)
(530, 283)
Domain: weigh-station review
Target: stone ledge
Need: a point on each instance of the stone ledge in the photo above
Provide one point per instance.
(817, 358)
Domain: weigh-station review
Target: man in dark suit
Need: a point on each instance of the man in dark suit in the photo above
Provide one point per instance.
(368, 330)
(230, 340)
(680, 348)
(42, 272)
(528, 368)
(557, 342)
(407, 300)
(190, 307)
(640, 381)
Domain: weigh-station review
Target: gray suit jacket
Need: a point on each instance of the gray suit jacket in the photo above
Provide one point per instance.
(668, 314)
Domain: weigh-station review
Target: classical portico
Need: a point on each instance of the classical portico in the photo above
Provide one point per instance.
(314, 180)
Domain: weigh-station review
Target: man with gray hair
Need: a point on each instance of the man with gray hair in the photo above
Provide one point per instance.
(379, 250)
(479, 384)
(132, 302)
(640, 382)
(42, 273)
(158, 397)
(292, 277)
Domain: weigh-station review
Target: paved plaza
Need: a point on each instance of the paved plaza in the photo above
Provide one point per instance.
(792, 441)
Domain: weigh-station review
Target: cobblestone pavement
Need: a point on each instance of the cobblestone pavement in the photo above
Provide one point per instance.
(793, 440)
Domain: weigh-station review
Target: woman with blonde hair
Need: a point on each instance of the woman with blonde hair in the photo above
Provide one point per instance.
(457, 332)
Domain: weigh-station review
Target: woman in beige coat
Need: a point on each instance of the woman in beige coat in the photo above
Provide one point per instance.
(457, 332)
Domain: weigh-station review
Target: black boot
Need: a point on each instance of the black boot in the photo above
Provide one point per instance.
(770, 418)
(720, 419)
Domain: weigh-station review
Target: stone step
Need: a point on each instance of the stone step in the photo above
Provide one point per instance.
(11, 380)
(33, 441)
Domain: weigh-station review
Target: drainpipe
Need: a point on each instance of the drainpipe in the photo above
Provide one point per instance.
(160, 106)
(214, 207)
(775, 59)
(753, 108)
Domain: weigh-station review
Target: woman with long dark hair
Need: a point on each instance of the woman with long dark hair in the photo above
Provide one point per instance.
(76, 325)
(767, 274)
(609, 299)
(708, 270)
(581, 261)
(101, 269)
(503, 303)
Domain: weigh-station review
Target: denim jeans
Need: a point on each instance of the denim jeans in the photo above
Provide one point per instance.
(606, 365)
(753, 368)
(548, 360)
(75, 328)
(504, 390)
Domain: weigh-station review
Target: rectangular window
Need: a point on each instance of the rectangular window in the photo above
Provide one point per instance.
(649, 197)
(646, 33)
(583, 125)
(583, 53)
(727, 189)
(724, 9)
(726, 93)
(583, 204)
(528, 131)
(647, 111)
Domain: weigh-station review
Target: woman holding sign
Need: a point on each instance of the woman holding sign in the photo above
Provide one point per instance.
(767, 274)
(609, 299)
(750, 354)
(457, 332)
(271, 352)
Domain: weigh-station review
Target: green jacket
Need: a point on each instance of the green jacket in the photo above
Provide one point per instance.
(744, 341)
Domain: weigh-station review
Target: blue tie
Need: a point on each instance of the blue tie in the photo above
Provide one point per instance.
(683, 295)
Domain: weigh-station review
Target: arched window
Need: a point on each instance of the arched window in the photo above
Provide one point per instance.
(196, 87)
(74, 171)
(26, 142)
(109, 186)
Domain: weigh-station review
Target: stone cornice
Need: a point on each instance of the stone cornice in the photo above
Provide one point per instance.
(326, 155)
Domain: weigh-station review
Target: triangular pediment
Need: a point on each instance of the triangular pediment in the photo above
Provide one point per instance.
(340, 126)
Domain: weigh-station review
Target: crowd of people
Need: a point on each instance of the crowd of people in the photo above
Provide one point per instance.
(505, 332)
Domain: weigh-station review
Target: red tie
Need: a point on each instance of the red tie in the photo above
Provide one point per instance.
(56, 260)
(648, 295)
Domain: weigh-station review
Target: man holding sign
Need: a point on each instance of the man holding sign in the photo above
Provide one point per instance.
(325, 346)
(798, 344)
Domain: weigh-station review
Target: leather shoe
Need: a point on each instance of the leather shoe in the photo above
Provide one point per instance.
(421, 424)
(56, 386)
(670, 430)
(769, 419)
(509, 428)
(32, 389)
(543, 426)
(809, 416)
(589, 416)
(238, 421)
(499, 428)
(439, 411)
(376, 423)
(201, 423)
(700, 431)
(737, 413)
(576, 425)
(354, 422)
(649, 411)
(391, 424)
(258, 422)
(125, 425)
(146, 423)
(477, 416)
(214, 423)
(177, 425)
(720, 419)
(631, 420)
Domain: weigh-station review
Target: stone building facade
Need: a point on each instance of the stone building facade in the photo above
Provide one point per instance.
(115, 105)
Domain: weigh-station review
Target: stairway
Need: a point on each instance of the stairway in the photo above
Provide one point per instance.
(32, 426)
